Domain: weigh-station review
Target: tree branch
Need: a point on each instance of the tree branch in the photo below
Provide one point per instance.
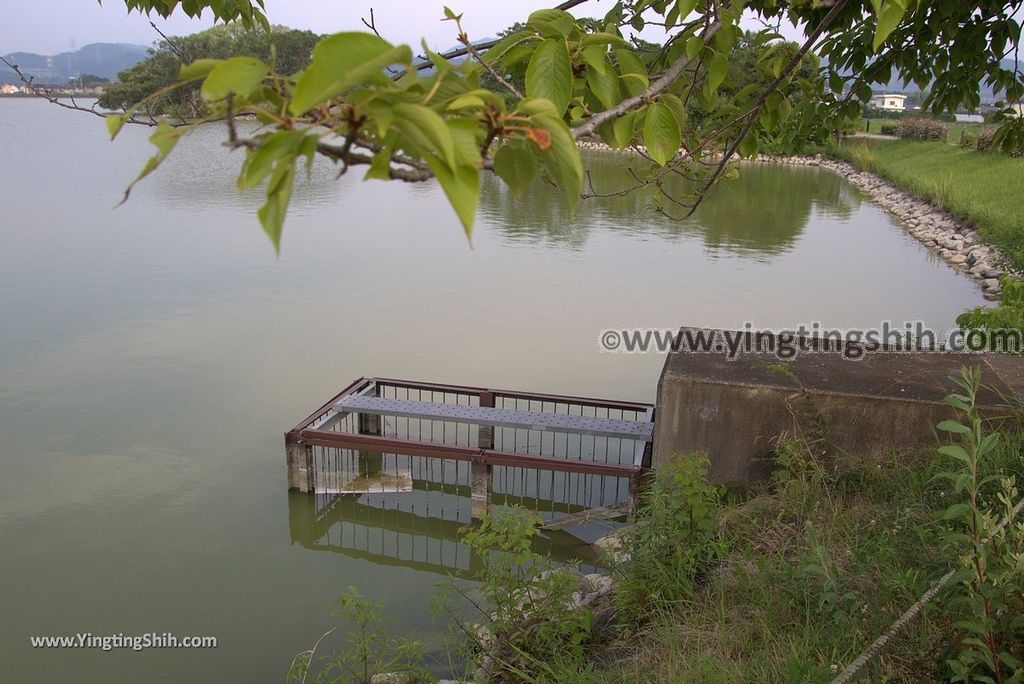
(182, 57)
(659, 85)
(53, 99)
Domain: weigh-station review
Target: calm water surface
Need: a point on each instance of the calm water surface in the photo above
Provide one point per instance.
(152, 356)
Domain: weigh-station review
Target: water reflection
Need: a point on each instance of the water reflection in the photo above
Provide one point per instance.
(397, 509)
(744, 217)
(390, 529)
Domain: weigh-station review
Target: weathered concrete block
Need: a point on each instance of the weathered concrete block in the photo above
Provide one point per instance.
(736, 410)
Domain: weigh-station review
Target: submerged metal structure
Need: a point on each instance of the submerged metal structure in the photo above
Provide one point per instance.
(385, 439)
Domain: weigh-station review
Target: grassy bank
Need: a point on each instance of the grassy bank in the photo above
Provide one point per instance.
(983, 188)
(819, 564)
(806, 588)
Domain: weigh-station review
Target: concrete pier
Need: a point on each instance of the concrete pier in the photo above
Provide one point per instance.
(736, 411)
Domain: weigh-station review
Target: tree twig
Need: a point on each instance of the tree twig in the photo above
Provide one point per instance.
(178, 52)
(659, 86)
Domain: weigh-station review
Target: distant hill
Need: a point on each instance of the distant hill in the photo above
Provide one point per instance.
(98, 59)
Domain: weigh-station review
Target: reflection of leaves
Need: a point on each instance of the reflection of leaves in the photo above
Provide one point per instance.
(743, 216)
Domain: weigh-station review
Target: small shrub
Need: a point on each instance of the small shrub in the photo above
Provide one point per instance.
(922, 128)
(529, 624)
(675, 539)
(1001, 326)
(850, 126)
(968, 140)
(371, 651)
(983, 141)
(889, 129)
(990, 593)
(1007, 140)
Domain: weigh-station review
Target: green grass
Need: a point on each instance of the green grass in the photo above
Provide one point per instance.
(955, 129)
(983, 188)
(807, 587)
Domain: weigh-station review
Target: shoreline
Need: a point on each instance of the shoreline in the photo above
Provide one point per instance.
(943, 233)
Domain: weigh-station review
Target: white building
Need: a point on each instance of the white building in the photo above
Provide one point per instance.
(890, 102)
(8, 89)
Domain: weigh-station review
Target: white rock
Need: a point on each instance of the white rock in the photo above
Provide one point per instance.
(390, 678)
(600, 584)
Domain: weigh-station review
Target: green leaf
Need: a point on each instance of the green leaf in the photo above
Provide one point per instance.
(954, 426)
(549, 74)
(633, 70)
(661, 133)
(341, 61)
(605, 87)
(595, 57)
(459, 178)
(551, 22)
(960, 510)
(115, 122)
(462, 187)
(479, 97)
(380, 167)
(517, 165)
(279, 195)
(498, 51)
(749, 146)
(562, 158)
(164, 138)
(600, 38)
(425, 130)
(238, 75)
(260, 162)
(988, 443)
(467, 136)
(625, 127)
(889, 17)
(693, 46)
(718, 67)
(200, 68)
(676, 105)
(956, 451)
(684, 7)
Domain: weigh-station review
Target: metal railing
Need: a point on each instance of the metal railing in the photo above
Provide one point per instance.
(335, 451)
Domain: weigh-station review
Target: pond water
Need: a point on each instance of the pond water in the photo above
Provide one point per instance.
(152, 356)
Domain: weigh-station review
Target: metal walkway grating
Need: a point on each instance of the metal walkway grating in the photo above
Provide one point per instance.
(481, 415)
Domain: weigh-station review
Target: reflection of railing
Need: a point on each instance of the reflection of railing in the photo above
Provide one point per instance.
(392, 529)
(553, 453)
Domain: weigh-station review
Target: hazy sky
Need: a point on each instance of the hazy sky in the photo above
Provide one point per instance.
(50, 26)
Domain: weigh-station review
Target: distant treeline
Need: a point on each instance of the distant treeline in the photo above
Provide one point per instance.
(292, 50)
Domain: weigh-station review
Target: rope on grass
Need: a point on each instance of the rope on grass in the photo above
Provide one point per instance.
(871, 651)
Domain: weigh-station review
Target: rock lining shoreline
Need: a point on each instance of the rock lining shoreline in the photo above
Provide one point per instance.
(946, 235)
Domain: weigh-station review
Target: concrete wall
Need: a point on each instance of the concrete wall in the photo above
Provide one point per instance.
(735, 411)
